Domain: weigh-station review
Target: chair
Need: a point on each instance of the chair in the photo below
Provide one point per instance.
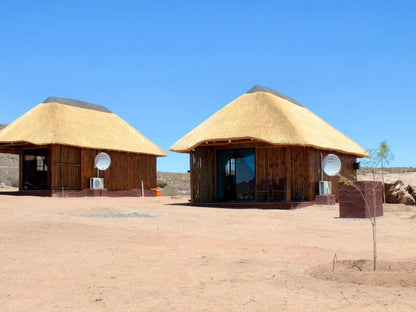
(278, 191)
(263, 190)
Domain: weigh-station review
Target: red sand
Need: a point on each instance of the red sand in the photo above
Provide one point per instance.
(153, 254)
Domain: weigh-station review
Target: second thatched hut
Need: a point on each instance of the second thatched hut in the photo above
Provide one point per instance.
(263, 146)
(58, 140)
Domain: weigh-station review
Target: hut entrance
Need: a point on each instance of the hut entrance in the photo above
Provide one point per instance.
(236, 174)
(35, 169)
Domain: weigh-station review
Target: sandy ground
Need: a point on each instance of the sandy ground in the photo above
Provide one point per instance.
(156, 254)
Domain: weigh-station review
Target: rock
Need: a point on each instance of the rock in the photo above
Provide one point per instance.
(412, 190)
(399, 193)
(390, 191)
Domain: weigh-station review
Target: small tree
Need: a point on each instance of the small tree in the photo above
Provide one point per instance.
(378, 159)
(373, 219)
(384, 155)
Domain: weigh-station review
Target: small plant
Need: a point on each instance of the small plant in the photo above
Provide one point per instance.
(372, 216)
(161, 183)
(382, 157)
(378, 159)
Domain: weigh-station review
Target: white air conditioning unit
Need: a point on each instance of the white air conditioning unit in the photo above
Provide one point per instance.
(325, 188)
(97, 183)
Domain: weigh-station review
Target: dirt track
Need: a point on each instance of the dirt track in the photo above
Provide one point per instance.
(153, 254)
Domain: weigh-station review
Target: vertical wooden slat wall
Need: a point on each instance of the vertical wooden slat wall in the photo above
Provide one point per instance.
(203, 174)
(126, 171)
(347, 169)
(191, 175)
(298, 165)
(66, 167)
(72, 168)
(300, 183)
(289, 163)
(21, 160)
(270, 164)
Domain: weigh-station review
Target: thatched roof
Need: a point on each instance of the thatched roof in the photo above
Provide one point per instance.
(76, 123)
(266, 115)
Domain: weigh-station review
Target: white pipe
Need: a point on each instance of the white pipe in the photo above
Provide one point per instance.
(142, 189)
(322, 172)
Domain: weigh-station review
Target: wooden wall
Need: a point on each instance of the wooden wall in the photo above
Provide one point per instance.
(300, 166)
(347, 168)
(289, 163)
(203, 175)
(66, 167)
(72, 168)
(126, 171)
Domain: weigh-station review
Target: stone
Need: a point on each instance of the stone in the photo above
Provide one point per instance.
(412, 190)
(399, 193)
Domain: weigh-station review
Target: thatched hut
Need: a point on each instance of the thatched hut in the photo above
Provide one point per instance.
(263, 146)
(58, 140)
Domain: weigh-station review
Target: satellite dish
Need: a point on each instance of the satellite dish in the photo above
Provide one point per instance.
(102, 161)
(331, 165)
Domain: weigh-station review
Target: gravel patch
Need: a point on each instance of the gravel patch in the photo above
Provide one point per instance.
(119, 215)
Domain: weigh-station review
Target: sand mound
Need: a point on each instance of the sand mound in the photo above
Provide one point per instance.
(389, 273)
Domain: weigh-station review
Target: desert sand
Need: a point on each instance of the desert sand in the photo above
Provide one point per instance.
(158, 254)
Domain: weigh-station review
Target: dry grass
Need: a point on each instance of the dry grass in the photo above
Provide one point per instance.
(177, 183)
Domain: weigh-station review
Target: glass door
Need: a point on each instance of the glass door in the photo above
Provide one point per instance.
(236, 174)
(35, 169)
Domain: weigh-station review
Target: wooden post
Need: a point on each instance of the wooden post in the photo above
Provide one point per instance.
(51, 167)
(214, 174)
(21, 162)
(288, 165)
(191, 155)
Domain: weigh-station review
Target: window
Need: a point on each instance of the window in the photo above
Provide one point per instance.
(230, 167)
(40, 163)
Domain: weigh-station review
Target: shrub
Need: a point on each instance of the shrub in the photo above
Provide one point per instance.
(161, 183)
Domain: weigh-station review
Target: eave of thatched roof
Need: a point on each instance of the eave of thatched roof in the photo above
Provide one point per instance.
(76, 123)
(265, 115)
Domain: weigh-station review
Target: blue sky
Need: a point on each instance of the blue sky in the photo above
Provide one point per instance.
(166, 66)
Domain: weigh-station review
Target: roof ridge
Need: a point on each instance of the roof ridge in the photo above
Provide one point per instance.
(259, 88)
(76, 103)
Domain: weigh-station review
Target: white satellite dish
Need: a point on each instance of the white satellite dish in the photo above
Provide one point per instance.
(102, 161)
(331, 165)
